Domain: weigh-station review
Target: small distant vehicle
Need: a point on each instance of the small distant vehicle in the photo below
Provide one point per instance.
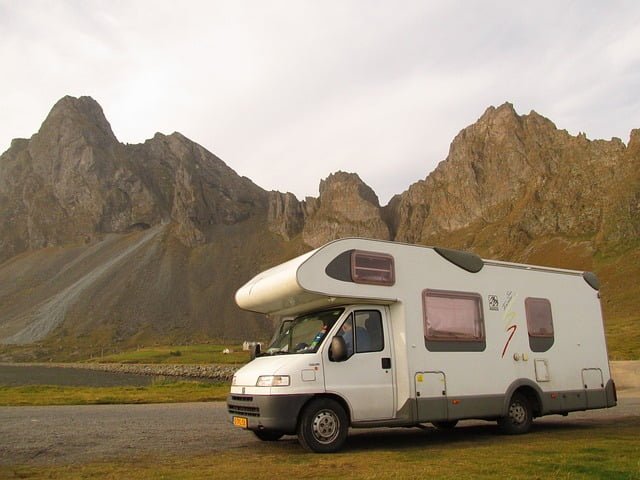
(384, 334)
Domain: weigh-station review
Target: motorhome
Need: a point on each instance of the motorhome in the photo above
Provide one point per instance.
(384, 334)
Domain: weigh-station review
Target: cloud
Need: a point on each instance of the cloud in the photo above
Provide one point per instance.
(286, 92)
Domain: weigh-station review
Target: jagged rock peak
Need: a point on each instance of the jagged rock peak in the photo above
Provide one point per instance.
(185, 149)
(634, 138)
(340, 181)
(505, 107)
(506, 117)
(346, 207)
(504, 111)
(73, 181)
(516, 173)
(85, 104)
(83, 112)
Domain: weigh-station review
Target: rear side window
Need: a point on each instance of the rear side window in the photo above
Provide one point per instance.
(372, 268)
(539, 323)
(453, 321)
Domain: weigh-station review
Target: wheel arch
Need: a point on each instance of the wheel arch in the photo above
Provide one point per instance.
(343, 403)
(530, 390)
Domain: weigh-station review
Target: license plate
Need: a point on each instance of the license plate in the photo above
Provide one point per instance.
(240, 422)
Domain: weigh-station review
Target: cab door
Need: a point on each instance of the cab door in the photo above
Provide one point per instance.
(366, 378)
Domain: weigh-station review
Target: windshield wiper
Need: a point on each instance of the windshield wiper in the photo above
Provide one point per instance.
(277, 352)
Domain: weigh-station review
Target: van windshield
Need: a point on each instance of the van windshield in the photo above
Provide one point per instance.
(305, 333)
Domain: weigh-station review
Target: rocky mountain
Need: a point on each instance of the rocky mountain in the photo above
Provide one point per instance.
(517, 188)
(346, 207)
(73, 180)
(122, 243)
(511, 179)
(107, 245)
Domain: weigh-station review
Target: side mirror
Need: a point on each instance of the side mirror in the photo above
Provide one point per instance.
(254, 351)
(338, 351)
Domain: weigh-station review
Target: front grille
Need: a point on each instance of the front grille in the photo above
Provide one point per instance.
(241, 405)
(237, 398)
(244, 410)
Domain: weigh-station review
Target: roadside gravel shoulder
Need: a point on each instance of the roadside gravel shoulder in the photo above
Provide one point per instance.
(223, 373)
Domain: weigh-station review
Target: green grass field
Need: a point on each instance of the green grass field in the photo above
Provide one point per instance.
(165, 391)
(621, 304)
(180, 354)
(562, 452)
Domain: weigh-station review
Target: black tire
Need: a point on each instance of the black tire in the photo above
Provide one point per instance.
(323, 426)
(445, 424)
(519, 416)
(268, 435)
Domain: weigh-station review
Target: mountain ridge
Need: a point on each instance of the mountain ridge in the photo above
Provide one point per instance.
(76, 204)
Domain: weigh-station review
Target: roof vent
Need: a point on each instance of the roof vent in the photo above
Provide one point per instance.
(592, 280)
(467, 261)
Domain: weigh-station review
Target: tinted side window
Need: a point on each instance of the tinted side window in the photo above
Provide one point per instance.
(369, 337)
(362, 332)
(346, 332)
(372, 268)
(453, 321)
(539, 323)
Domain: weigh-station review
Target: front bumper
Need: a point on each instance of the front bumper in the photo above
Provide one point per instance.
(268, 412)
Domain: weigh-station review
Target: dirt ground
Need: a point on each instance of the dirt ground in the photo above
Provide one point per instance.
(82, 434)
(626, 374)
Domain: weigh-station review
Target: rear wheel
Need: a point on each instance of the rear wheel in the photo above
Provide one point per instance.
(519, 416)
(445, 424)
(268, 435)
(323, 426)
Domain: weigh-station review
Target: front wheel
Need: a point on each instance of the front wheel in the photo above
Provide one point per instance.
(323, 426)
(519, 416)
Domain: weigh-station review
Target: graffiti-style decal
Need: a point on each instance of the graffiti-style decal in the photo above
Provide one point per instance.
(513, 329)
(509, 318)
(509, 298)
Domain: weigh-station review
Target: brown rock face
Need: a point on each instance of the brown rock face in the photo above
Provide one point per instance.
(144, 241)
(51, 184)
(346, 207)
(286, 214)
(520, 177)
(195, 189)
(73, 181)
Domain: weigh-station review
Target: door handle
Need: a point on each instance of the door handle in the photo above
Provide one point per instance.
(386, 363)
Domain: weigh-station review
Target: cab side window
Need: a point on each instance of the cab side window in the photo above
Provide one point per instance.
(362, 332)
(369, 336)
(346, 332)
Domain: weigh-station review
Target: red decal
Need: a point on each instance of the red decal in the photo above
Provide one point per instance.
(513, 329)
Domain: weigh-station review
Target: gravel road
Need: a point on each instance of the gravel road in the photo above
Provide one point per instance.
(82, 434)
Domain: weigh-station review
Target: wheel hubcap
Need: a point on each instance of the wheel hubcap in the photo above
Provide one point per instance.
(517, 413)
(326, 426)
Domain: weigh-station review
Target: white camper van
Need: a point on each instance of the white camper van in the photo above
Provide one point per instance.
(379, 333)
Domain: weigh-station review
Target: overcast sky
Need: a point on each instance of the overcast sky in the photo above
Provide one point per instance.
(287, 92)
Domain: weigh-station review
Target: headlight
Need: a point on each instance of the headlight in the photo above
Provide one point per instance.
(273, 381)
